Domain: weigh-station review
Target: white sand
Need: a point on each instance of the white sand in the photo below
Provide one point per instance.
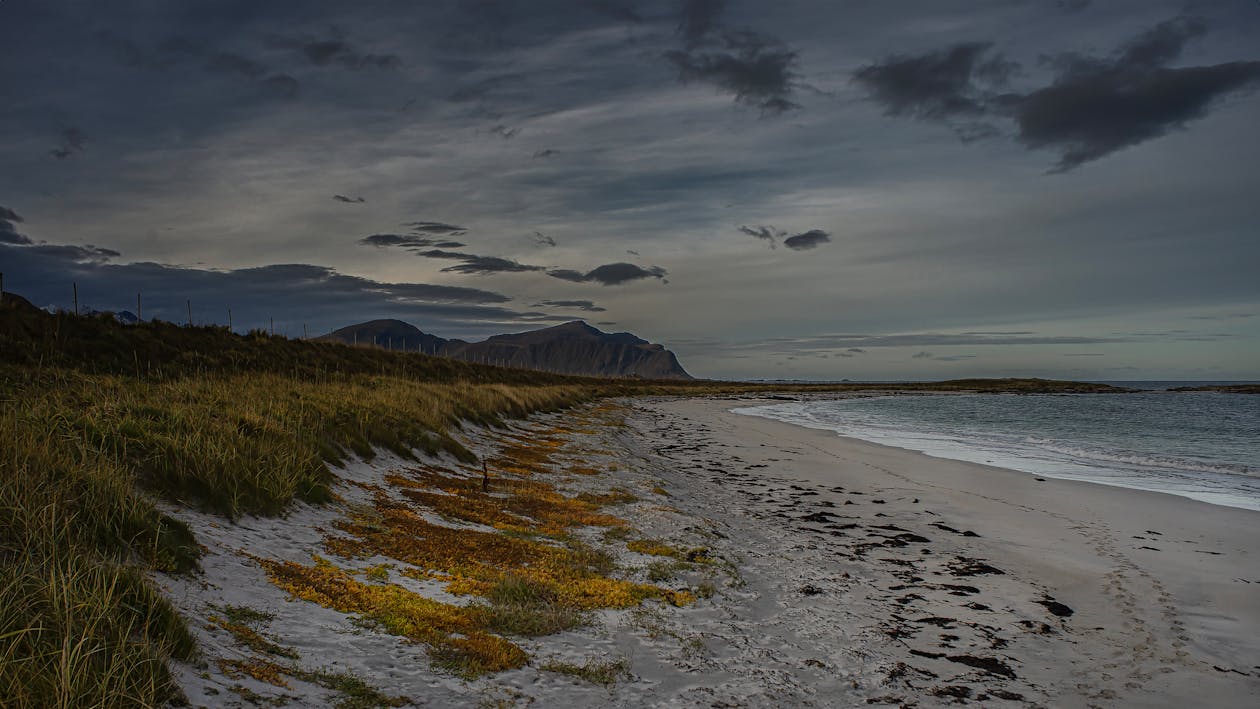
(1165, 590)
(837, 583)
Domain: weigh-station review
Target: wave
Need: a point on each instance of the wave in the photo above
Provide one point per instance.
(1213, 481)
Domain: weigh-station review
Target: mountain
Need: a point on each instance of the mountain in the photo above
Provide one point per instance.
(571, 348)
(388, 334)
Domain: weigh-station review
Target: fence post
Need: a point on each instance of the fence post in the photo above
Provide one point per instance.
(229, 319)
(189, 302)
(273, 326)
(304, 335)
(75, 286)
(139, 312)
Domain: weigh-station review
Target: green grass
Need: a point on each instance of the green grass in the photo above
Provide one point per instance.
(522, 606)
(605, 673)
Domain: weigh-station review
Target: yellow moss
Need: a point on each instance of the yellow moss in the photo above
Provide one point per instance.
(444, 627)
(260, 670)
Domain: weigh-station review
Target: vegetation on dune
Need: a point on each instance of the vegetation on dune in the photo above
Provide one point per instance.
(99, 422)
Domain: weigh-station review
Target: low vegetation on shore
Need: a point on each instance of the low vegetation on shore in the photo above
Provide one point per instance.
(105, 428)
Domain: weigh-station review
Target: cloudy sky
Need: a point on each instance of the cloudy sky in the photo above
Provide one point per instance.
(805, 188)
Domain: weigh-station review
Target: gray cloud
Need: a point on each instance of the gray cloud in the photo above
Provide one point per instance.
(504, 132)
(348, 200)
(759, 71)
(807, 240)
(766, 233)
(408, 241)
(334, 51)
(478, 265)
(437, 228)
(922, 355)
(1096, 107)
(547, 153)
(697, 18)
(8, 229)
(1093, 107)
(293, 293)
(610, 274)
(586, 305)
(72, 143)
(542, 239)
(941, 85)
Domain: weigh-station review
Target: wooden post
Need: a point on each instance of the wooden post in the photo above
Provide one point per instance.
(485, 477)
(189, 302)
(229, 319)
(356, 339)
(75, 286)
(304, 335)
(273, 327)
(139, 312)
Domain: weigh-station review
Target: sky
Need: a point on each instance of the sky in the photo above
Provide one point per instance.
(823, 189)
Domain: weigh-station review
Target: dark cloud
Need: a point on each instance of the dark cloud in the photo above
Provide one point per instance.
(504, 131)
(72, 142)
(766, 233)
(807, 240)
(1096, 107)
(757, 70)
(437, 228)
(941, 85)
(922, 355)
(408, 241)
(698, 18)
(1092, 108)
(478, 265)
(586, 305)
(8, 229)
(610, 274)
(545, 153)
(856, 350)
(542, 239)
(334, 51)
(348, 200)
(293, 293)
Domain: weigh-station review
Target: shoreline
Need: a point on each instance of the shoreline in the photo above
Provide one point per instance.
(1161, 587)
(970, 451)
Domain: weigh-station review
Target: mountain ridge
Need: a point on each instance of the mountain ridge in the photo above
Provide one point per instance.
(574, 347)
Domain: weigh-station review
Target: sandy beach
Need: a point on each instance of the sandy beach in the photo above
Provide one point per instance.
(825, 571)
(952, 581)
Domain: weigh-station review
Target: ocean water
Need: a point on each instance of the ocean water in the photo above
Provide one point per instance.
(1205, 446)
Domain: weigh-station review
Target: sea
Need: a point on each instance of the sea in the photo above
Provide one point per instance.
(1200, 445)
